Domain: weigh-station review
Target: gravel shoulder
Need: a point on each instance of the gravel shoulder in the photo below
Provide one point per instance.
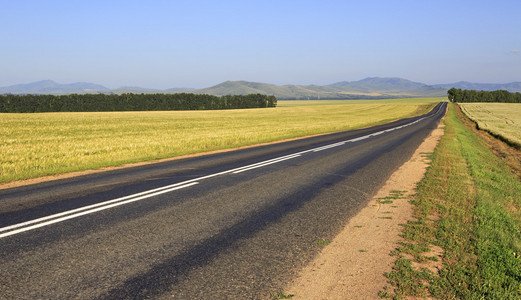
(354, 264)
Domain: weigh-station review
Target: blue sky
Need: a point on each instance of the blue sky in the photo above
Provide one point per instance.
(165, 44)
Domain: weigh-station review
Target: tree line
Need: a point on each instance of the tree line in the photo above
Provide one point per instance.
(459, 95)
(130, 102)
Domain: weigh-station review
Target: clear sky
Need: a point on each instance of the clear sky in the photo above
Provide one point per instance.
(166, 44)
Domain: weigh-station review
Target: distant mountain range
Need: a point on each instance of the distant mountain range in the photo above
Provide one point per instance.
(51, 87)
(514, 87)
(368, 88)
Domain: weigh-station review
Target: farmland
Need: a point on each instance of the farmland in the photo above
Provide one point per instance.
(500, 119)
(40, 144)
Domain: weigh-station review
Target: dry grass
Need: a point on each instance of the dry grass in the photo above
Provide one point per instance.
(34, 145)
(500, 119)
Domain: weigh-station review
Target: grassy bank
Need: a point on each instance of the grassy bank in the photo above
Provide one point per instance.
(34, 145)
(467, 207)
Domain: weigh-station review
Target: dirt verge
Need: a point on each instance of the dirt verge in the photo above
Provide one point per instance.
(353, 265)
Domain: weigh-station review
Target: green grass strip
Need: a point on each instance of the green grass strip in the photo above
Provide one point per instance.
(469, 205)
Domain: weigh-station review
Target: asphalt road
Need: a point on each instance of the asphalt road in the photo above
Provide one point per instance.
(236, 225)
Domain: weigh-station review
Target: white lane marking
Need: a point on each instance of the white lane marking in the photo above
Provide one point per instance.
(90, 211)
(377, 133)
(60, 217)
(360, 138)
(262, 165)
(87, 207)
(329, 146)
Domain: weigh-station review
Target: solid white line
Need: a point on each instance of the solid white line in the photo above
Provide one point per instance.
(87, 207)
(272, 162)
(328, 146)
(72, 216)
(359, 138)
(263, 163)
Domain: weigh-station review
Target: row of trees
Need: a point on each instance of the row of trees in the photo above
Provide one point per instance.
(130, 102)
(458, 95)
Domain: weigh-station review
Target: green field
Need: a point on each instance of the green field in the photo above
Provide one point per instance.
(40, 144)
(500, 119)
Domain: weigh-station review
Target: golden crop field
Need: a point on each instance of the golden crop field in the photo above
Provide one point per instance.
(501, 119)
(291, 103)
(33, 145)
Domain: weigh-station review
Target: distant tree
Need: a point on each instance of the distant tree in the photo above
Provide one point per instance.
(458, 95)
(130, 102)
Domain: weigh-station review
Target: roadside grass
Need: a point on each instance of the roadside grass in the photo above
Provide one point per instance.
(321, 242)
(40, 144)
(281, 295)
(469, 206)
(393, 195)
(502, 120)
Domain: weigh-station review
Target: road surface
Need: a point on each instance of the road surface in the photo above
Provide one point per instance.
(237, 224)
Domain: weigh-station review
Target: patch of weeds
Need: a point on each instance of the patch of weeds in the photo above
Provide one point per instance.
(428, 155)
(397, 194)
(385, 218)
(359, 226)
(385, 294)
(388, 201)
(413, 248)
(321, 242)
(393, 195)
(281, 295)
(362, 250)
(420, 232)
(409, 281)
(432, 258)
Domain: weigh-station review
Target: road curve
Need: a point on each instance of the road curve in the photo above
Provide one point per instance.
(237, 224)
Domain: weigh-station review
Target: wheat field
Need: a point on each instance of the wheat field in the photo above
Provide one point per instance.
(39, 144)
(500, 119)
